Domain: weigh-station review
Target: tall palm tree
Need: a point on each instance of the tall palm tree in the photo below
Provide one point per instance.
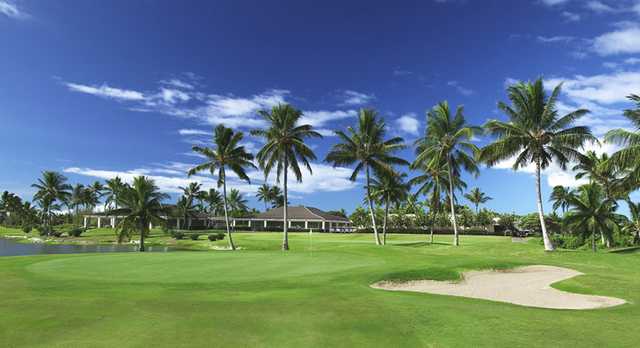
(77, 199)
(366, 147)
(140, 204)
(264, 194)
(592, 214)
(629, 156)
(52, 187)
(227, 153)
(477, 197)
(447, 141)
(535, 134)
(111, 190)
(284, 148)
(389, 188)
(560, 197)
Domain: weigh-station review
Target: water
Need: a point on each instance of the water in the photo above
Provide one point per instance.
(10, 247)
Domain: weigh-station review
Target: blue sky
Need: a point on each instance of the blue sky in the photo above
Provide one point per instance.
(96, 89)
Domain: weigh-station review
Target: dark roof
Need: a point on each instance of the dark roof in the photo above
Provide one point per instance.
(300, 213)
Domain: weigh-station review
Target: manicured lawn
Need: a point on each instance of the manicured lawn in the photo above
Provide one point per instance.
(316, 295)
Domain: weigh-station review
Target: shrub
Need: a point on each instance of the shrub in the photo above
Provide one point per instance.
(76, 232)
(177, 234)
(194, 236)
(216, 236)
(44, 230)
(26, 228)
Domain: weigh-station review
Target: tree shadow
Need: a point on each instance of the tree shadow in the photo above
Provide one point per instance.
(420, 244)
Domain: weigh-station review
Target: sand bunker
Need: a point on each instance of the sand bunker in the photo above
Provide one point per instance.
(525, 286)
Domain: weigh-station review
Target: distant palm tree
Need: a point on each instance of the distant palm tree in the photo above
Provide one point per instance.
(477, 197)
(264, 195)
(447, 141)
(237, 202)
(190, 193)
(140, 204)
(77, 199)
(560, 198)
(186, 209)
(389, 188)
(113, 187)
(215, 202)
(599, 170)
(277, 197)
(592, 213)
(535, 134)
(633, 226)
(284, 147)
(226, 154)
(52, 187)
(629, 156)
(366, 147)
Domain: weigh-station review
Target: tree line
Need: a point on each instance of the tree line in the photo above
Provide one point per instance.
(535, 134)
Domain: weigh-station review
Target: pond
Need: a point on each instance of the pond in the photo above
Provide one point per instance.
(9, 247)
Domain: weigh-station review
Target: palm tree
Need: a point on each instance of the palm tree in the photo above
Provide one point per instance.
(226, 153)
(447, 141)
(634, 225)
(477, 197)
(388, 188)
(599, 170)
(535, 134)
(51, 187)
(190, 193)
(140, 204)
(560, 198)
(264, 195)
(629, 156)
(284, 148)
(592, 213)
(76, 199)
(433, 184)
(367, 148)
(111, 190)
(277, 197)
(237, 202)
(214, 201)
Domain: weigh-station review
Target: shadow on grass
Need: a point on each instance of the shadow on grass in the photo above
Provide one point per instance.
(420, 244)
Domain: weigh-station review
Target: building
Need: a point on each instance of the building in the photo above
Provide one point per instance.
(300, 218)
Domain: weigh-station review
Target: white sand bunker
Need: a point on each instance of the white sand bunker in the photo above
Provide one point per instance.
(525, 286)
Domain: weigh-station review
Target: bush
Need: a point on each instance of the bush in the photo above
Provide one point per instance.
(194, 236)
(177, 234)
(216, 236)
(44, 230)
(26, 228)
(76, 232)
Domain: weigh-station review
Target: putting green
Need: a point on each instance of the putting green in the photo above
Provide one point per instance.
(318, 294)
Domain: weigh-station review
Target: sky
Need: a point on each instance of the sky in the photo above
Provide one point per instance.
(98, 89)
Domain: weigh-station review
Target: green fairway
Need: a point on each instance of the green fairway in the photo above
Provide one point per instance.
(318, 294)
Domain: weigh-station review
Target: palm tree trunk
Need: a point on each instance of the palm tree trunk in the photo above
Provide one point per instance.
(142, 233)
(373, 217)
(456, 238)
(285, 237)
(384, 223)
(548, 245)
(226, 213)
(593, 241)
(431, 234)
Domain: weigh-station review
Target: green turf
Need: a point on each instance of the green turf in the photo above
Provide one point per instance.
(318, 294)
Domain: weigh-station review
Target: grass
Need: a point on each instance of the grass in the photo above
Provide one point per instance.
(318, 294)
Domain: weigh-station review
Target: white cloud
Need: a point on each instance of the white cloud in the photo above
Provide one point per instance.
(408, 123)
(9, 9)
(558, 38)
(169, 178)
(173, 96)
(553, 174)
(321, 117)
(602, 89)
(632, 61)
(461, 89)
(107, 92)
(600, 7)
(554, 2)
(356, 98)
(193, 132)
(177, 83)
(402, 72)
(625, 40)
(571, 17)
